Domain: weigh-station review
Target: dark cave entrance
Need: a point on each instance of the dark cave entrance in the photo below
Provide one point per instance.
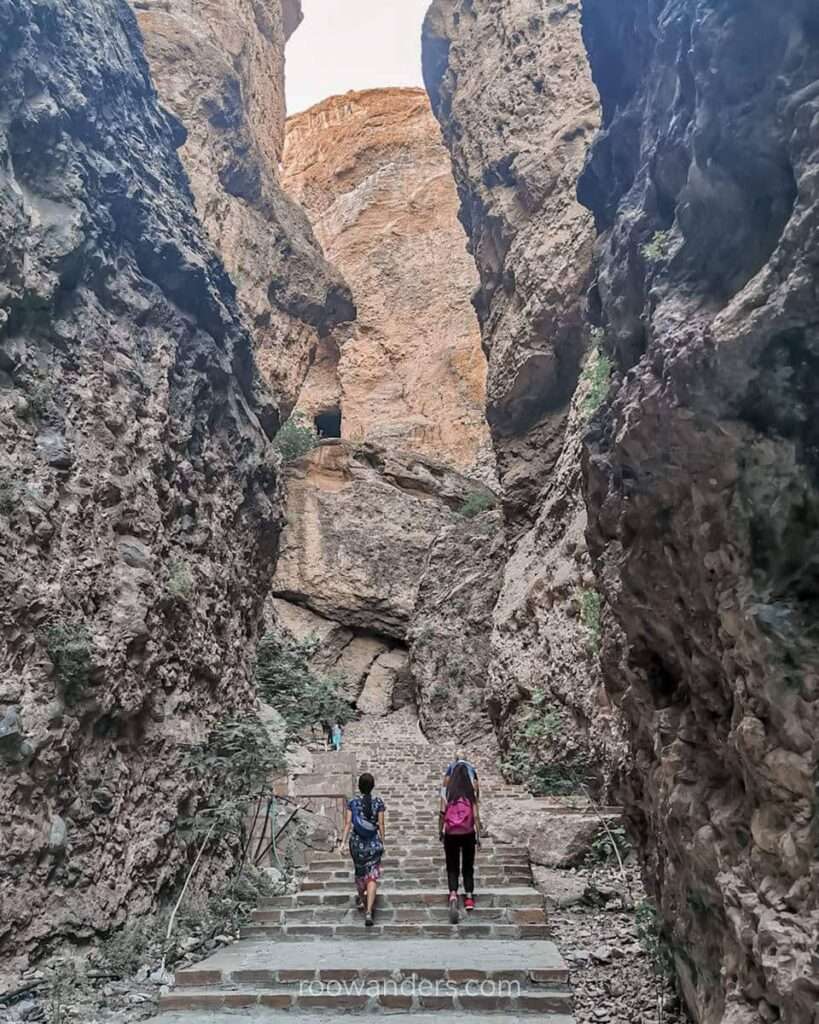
(328, 423)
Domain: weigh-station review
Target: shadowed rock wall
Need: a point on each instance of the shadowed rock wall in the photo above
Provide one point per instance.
(510, 85)
(702, 478)
(138, 491)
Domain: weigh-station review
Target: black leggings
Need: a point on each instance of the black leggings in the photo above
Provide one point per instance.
(455, 847)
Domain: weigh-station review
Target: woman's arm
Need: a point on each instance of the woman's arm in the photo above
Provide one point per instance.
(381, 825)
(476, 811)
(348, 821)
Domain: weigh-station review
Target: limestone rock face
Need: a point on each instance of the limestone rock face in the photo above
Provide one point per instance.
(702, 480)
(451, 631)
(544, 665)
(219, 67)
(360, 523)
(372, 173)
(371, 669)
(518, 140)
(138, 490)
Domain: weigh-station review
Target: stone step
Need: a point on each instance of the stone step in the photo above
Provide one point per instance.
(439, 882)
(260, 1015)
(389, 897)
(467, 929)
(495, 881)
(385, 998)
(420, 853)
(263, 963)
(429, 913)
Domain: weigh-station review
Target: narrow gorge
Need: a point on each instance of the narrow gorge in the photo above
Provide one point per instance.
(474, 417)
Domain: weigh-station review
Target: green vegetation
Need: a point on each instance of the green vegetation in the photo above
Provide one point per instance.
(69, 648)
(8, 496)
(698, 902)
(296, 437)
(180, 581)
(608, 843)
(543, 722)
(141, 942)
(590, 604)
(526, 760)
(651, 937)
(236, 765)
(476, 503)
(520, 767)
(39, 396)
(597, 378)
(286, 680)
(658, 248)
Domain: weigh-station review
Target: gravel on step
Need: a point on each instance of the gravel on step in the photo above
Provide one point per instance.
(610, 973)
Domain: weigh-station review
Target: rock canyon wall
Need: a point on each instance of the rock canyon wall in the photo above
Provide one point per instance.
(219, 67)
(699, 493)
(361, 521)
(518, 139)
(406, 384)
(139, 515)
(372, 173)
(701, 477)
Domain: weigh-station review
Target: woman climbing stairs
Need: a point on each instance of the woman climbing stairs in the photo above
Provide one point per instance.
(309, 954)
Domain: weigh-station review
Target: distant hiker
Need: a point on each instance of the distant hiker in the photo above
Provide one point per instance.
(364, 824)
(328, 734)
(460, 758)
(336, 734)
(460, 833)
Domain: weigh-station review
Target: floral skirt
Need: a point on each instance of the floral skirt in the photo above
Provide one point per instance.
(366, 856)
(362, 881)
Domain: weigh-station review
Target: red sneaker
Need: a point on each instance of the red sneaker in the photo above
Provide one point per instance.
(453, 908)
(469, 903)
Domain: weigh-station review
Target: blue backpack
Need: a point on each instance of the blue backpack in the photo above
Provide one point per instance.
(362, 826)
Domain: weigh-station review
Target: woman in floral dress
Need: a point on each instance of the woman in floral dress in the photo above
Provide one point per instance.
(364, 825)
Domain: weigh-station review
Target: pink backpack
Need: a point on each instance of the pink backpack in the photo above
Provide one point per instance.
(459, 819)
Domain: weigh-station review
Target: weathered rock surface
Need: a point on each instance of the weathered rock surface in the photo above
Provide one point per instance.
(138, 494)
(553, 839)
(370, 169)
(451, 630)
(371, 669)
(510, 84)
(518, 140)
(545, 688)
(219, 67)
(702, 480)
(360, 523)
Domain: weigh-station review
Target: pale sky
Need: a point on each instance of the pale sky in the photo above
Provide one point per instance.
(353, 44)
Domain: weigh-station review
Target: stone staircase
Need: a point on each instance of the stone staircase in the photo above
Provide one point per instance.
(307, 956)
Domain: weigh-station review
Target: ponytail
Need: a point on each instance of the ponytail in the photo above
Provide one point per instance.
(366, 784)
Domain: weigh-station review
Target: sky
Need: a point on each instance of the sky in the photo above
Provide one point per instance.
(353, 44)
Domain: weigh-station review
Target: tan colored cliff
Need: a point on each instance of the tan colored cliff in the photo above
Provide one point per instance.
(372, 172)
(218, 66)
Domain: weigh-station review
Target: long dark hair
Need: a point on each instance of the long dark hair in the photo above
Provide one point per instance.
(366, 783)
(460, 785)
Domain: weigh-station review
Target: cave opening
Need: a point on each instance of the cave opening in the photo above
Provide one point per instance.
(328, 423)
